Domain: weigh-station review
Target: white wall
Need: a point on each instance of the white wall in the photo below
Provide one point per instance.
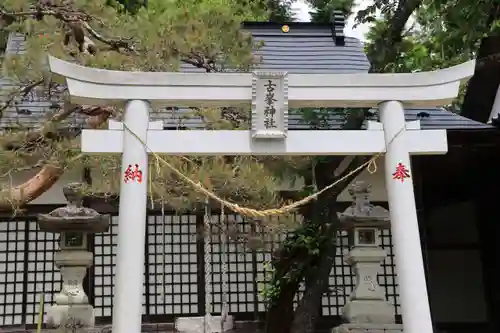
(376, 180)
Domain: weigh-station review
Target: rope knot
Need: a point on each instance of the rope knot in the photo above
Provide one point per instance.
(372, 166)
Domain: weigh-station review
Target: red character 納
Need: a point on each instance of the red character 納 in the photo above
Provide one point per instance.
(133, 174)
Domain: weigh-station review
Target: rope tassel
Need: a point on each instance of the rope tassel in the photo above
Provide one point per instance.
(208, 268)
(224, 271)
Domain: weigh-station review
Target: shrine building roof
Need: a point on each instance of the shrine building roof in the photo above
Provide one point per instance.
(293, 47)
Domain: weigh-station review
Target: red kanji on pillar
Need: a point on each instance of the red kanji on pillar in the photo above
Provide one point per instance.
(401, 172)
(133, 174)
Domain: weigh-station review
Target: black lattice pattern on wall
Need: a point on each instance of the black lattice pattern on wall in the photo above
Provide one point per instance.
(173, 265)
(387, 276)
(104, 271)
(247, 267)
(341, 280)
(43, 277)
(12, 257)
(241, 267)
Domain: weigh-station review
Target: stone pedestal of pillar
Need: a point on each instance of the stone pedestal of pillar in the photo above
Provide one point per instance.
(367, 309)
(197, 324)
(72, 308)
(368, 328)
(74, 223)
(367, 303)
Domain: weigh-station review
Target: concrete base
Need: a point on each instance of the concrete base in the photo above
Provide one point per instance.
(196, 324)
(372, 328)
(368, 311)
(66, 315)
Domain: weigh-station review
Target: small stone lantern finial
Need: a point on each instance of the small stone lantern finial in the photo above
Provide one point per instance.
(367, 308)
(363, 220)
(73, 192)
(73, 222)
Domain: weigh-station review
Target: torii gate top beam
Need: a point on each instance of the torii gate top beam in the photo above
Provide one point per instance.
(94, 86)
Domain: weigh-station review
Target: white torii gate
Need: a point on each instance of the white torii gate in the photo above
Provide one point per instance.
(270, 93)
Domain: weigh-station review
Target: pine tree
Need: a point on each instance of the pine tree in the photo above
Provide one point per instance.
(105, 34)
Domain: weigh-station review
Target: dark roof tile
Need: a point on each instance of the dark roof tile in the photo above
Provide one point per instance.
(307, 48)
(436, 119)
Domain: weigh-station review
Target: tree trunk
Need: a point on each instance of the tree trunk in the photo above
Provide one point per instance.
(308, 311)
(31, 189)
(46, 177)
(386, 49)
(316, 281)
(323, 211)
(280, 313)
(482, 87)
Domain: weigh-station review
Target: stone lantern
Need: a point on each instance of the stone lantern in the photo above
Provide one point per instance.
(74, 223)
(367, 309)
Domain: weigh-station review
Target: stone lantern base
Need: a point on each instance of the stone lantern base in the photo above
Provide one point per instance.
(368, 311)
(77, 316)
(196, 324)
(72, 308)
(371, 327)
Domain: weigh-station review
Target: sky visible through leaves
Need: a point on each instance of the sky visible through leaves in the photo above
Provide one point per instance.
(302, 12)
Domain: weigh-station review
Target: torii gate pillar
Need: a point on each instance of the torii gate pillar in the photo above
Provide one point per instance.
(129, 273)
(404, 223)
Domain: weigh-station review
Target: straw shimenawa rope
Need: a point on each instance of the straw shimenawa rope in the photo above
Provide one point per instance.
(371, 166)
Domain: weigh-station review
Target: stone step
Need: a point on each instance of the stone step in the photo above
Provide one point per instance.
(196, 324)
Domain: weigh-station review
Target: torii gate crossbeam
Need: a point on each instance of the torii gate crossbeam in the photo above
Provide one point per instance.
(206, 143)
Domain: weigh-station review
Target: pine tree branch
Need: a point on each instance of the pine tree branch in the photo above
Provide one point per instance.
(78, 23)
(23, 92)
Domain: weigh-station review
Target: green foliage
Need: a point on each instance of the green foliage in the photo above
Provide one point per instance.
(269, 288)
(280, 10)
(305, 243)
(443, 33)
(131, 6)
(323, 9)
(162, 34)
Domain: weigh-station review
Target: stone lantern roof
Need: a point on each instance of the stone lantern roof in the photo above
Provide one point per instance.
(73, 217)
